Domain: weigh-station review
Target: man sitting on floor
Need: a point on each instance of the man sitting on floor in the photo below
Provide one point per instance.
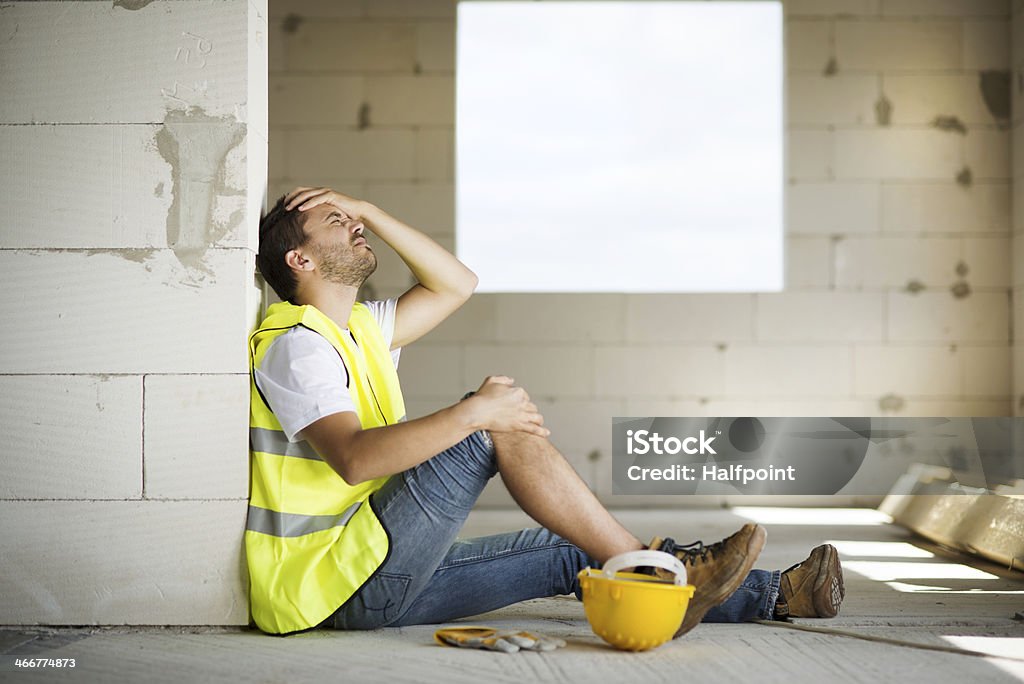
(354, 510)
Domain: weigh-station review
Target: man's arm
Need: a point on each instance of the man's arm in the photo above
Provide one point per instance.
(359, 455)
(445, 283)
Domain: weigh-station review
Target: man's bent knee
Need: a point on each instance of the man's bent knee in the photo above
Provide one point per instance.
(512, 440)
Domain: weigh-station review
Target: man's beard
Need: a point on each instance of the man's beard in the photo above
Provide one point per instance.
(338, 265)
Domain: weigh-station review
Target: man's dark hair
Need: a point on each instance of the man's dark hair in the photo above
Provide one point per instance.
(280, 232)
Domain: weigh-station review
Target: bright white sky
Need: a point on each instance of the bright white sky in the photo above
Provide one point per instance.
(620, 146)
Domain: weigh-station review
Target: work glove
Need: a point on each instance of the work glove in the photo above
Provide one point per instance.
(506, 641)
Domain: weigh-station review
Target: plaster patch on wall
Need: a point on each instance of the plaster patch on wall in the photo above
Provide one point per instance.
(229, 203)
(914, 286)
(197, 148)
(291, 23)
(883, 110)
(965, 177)
(995, 90)
(139, 256)
(949, 123)
(155, 262)
(961, 289)
(891, 402)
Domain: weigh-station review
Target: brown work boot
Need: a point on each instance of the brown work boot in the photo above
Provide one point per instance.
(813, 588)
(716, 570)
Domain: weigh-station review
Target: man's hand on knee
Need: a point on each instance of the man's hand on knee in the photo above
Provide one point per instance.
(500, 406)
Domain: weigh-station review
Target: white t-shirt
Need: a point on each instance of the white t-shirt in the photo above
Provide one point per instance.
(304, 379)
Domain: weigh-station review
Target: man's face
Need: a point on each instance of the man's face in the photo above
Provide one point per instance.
(338, 247)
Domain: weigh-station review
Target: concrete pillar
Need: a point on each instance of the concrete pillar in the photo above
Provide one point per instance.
(1017, 134)
(134, 148)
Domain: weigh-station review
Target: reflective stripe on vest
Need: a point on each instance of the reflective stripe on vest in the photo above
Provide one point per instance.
(311, 538)
(276, 442)
(292, 525)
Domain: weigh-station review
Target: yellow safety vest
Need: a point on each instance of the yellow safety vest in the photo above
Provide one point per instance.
(311, 539)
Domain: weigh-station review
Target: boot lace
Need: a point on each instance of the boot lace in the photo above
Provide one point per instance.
(689, 553)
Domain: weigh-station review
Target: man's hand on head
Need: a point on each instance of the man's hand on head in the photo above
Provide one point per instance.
(443, 283)
(306, 198)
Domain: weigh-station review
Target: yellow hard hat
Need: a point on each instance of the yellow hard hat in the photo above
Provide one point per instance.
(631, 611)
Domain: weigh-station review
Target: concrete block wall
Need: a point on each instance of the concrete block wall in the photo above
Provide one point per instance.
(898, 226)
(134, 138)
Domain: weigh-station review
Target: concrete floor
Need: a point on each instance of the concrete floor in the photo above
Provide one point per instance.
(897, 587)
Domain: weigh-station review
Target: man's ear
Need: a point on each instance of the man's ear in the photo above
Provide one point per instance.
(298, 261)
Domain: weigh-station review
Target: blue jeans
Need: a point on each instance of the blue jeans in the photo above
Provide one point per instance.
(430, 577)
